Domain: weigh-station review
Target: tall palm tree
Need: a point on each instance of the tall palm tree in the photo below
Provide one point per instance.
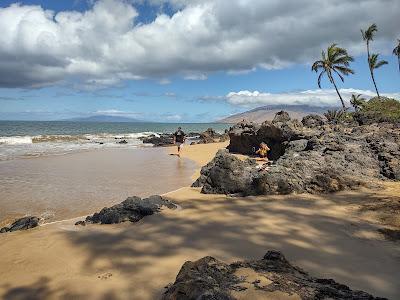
(396, 51)
(357, 101)
(368, 36)
(375, 63)
(334, 60)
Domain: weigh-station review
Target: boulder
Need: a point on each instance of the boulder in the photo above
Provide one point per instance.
(226, 174)
(271, 277)
(245, 138)
(313, 121)
(22, 224)
(281, 117)
(210, 136)
(132, 209)
(162, 140)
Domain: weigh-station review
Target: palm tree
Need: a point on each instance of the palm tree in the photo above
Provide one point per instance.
(375, 63)
(357, 101)
(335, 60)
(396, 51)
(368, 36)
(335, 116)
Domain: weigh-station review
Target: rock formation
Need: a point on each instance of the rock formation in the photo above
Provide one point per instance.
(210, 136)
(315, 158)
(226, 174)
(22, 224)
(162, 140)
(132, 209)
(272, 277)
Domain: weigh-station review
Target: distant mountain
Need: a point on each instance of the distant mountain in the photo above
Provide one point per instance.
(104, 118)
(264, 113)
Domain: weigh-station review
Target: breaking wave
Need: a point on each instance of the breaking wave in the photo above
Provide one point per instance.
(32, 146)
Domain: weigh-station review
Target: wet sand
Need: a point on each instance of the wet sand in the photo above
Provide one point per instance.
(61, 187)
(326, 235)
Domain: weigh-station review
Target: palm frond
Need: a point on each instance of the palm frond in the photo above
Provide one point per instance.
(368, 35)
(375, 63)
(381, 63)
(338, 74)
(344, 70)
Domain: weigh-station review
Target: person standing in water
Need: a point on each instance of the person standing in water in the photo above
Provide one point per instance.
(179, 139)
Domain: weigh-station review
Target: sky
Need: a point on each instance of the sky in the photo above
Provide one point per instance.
(183, 60)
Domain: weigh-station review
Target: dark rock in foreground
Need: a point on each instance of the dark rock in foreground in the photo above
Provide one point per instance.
(22, 224)
(272, 277)
(312, 159)
(132, 209)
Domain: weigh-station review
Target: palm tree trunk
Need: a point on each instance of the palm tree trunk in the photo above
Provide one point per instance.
(337, 91)
(373, 80)
(398, 59)
(370, 69)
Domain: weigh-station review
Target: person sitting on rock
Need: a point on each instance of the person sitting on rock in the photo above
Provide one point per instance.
(179, 139)
(263, 151)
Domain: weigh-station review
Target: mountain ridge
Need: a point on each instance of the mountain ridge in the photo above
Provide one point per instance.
(267, 112)
(104, 118)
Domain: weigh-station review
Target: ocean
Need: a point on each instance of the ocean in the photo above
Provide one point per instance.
(22, 139)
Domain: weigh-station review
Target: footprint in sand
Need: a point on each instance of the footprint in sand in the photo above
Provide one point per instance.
(105, 276)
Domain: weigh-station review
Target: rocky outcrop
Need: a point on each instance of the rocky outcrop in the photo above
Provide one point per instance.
(22, 224)
(313, 121)
(272, 277)
(132, 209)
(163, 140)
(211, 136)
(281, 117)
(320, 159)
(226, 174)
(246, 137)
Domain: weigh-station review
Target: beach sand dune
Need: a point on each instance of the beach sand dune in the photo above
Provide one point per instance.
(329, 236)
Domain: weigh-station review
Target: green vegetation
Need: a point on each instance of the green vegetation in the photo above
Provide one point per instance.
(335, 60)
(335, 116)
(357, 101)
(382, 109)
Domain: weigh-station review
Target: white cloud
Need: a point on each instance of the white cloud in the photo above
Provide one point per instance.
(104, 45)
(320, 98)
(116, 112)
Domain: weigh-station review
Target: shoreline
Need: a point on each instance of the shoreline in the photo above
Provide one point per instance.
(62, 187)
(327, 235)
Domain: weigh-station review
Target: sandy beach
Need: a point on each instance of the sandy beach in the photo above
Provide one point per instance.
(330, 236)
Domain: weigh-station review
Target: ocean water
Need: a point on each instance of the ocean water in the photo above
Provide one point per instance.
(21, 139)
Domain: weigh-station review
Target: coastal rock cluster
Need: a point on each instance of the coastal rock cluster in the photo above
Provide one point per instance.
(211, 136)
(22, 224)
(132, 209)
(310, 156)
(167, 139)
(272, 277)
(162, 140)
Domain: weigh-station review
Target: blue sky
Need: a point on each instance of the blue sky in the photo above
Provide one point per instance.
(190, 80)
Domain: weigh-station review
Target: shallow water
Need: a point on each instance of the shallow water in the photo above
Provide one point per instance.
(67, 186)
(21, 139)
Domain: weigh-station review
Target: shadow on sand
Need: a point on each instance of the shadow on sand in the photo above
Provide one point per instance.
(320, 234)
